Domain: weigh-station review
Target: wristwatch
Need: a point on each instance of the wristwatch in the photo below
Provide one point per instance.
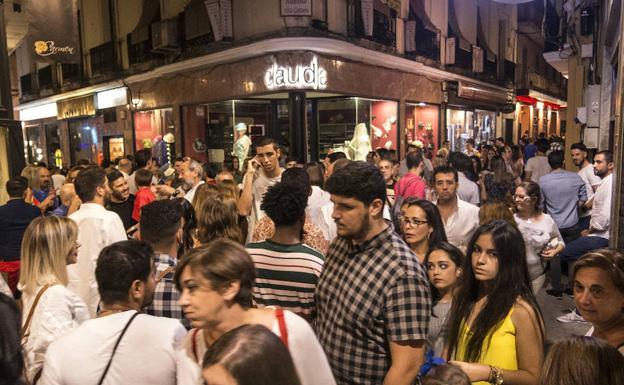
(496, 376)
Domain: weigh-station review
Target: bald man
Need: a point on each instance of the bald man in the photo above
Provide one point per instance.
(68, 193)
(125, 167)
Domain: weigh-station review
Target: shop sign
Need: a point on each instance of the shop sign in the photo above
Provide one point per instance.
(52, 31)
(477, 59)
(220, 16)
(296, 8)
(73, 108)
(410, 36)
(112, 98)
(310, 76)
(40, 112)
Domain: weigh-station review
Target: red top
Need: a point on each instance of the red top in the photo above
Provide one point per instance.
(143, 197)
(411, 185)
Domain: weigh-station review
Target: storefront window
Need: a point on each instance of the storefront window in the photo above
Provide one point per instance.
(485, 129)
(85, 140)
(422, 125)
(151, 125)
(32, 145)
(357, 126)
(53, 145)
(459, 127)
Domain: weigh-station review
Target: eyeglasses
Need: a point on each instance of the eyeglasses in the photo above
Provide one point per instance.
(412, 221)
(521, 198)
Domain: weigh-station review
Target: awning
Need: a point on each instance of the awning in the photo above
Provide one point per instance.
(419, 8)
(473, 91)
(463, 43)
(483, 39)
(151, 8)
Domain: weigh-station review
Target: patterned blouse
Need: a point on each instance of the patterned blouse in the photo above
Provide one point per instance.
(312, 235)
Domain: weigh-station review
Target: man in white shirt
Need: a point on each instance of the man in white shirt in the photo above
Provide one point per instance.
(192, 174)
(143, 159)
(262, 171)
(467, 190)
(538, 166)
(145, 345)
(97, 228)
(460, 218)
(592, 181)
(597, 235)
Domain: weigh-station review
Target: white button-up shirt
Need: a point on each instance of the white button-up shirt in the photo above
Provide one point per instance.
(468, 191)
(460, 226)
(97, 228)
(191, 193)
(601, 211)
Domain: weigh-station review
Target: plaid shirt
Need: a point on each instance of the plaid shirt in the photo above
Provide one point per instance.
(166, 295)
(368, 294)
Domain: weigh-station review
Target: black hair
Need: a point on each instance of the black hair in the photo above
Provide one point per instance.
(470, 141)
(190, 224)
(11, 361)
(243, 353)
(211, 169)
(119, 265)
(608, 155)
(510, 284)
(461, 162)
(142, 157)
(359, 180)
(285, 203)
(433, 219)
(413, 159)
(298, 177)
(113, 175)
(445, 170)
(16, 186)
(160, 221)
(178, 159)
(315, 172)
(291, 158)
(555, 159)
(87, 181)
(143, 177)
(476, 161)
(542, 145)
(578, 146)
(336, 155)
(83, 162)
(265, 141)
(453, 252)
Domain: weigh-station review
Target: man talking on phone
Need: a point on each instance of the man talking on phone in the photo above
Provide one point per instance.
(262, 172)
(45, 195)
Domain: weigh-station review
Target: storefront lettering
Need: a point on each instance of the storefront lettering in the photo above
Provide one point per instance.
(47, 48)
(72, 108)
(312, 76)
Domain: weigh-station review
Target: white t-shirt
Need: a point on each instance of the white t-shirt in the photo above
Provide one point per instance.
(460, 226)
(468, 191)
(97, 228)
(146, 354)
(308, 356)
(591, 180)
(58, 312)
(537, 235)
(538, 166)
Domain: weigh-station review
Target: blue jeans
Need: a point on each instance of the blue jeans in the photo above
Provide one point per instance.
(583, 222)
(573, 251)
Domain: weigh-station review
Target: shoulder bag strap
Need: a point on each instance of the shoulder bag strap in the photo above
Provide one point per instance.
(281, 321)
(110, 360)
(32, 310)
(164, 273)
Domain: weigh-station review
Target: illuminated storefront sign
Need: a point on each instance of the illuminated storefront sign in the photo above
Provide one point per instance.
(310, 76)
(40, 112)
(112, 98)
(73, 108)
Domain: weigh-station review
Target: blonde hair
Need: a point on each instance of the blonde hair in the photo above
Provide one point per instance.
(217, 219)
(228, 191)
(203, 193)
(32, 174)
(46, 245)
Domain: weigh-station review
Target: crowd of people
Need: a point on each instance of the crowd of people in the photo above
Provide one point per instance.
(423, 270)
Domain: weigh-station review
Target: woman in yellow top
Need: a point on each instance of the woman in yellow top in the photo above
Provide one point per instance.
(495, 330)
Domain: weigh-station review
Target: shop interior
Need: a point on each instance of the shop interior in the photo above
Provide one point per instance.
(462, 124)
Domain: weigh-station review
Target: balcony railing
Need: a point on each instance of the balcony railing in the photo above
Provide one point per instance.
(509, 71)
(102, 59)
(384, 26)
(555, 84)
(26, 84)
(427, 43)
(46, 78)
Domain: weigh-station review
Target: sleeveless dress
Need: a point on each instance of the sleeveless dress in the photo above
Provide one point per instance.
(501, 351)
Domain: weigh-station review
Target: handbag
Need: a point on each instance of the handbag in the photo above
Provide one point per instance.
(110, 360)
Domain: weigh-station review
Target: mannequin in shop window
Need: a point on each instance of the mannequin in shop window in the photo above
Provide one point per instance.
(360, 145)
(242, 144)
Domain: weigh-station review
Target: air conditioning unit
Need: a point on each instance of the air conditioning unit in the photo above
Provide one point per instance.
(165, 36)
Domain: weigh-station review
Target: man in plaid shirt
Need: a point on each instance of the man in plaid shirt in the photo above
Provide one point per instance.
(161, 227)
(373, 301)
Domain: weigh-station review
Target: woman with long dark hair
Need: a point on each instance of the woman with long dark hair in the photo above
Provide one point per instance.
(421, 226)
(497, 184)
(444, 267)
(495, 330)
(189, 224)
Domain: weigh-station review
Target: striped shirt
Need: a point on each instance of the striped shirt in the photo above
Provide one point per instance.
(286, 275)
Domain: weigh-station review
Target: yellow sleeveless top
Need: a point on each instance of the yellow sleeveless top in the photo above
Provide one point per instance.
(501, 351)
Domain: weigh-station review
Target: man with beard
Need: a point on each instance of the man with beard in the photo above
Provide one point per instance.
(121, 201)
(592, 181)
(372, 300)
(192, 176)
(45, 194)
(125, 279)
(98, 229)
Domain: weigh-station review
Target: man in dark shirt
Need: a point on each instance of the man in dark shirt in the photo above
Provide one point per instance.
(121, 201)
(15, 216)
